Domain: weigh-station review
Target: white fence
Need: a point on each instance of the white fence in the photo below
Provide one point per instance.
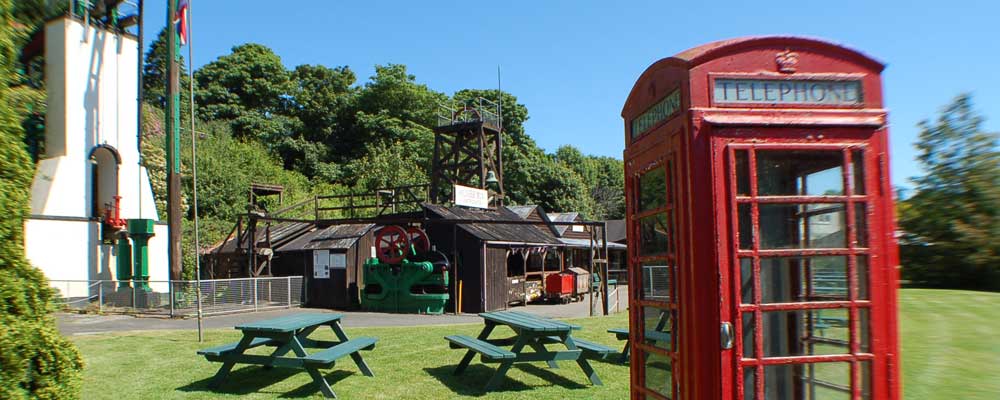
(180, 298)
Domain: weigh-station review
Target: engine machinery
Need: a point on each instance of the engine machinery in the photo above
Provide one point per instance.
(407, 276)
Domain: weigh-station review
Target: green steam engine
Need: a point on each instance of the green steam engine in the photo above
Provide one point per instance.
(407, 276)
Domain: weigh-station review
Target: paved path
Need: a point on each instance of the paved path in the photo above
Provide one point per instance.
(84, 324)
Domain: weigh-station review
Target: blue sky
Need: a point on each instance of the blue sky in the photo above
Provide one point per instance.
(572, 63)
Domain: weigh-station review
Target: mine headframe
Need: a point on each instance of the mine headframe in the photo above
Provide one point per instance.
(467, 151)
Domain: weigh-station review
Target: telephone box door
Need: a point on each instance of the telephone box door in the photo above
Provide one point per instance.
(654, 267)
(801, 257)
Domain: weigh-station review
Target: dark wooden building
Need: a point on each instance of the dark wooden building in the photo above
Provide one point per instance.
(330, 260)
(482, 253)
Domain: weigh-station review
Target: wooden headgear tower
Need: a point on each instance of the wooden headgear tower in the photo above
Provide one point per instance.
(467, 151)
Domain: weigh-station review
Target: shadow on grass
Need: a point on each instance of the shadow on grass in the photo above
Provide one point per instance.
(473, 381)
(253, 379)
(612, 359)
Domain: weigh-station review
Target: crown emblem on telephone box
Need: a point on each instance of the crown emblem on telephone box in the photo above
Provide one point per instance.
(787, 61)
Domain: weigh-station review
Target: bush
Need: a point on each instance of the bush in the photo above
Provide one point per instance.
(35, 361)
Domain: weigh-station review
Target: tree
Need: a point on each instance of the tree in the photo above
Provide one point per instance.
(394, 91)
(250, 88)
(608, 190)
(321, 100)
(320, 97)
(35, 361)
(557, 188)
(953, 219)
(154, 75)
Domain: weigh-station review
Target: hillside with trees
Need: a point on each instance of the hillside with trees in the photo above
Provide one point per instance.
(316, 129)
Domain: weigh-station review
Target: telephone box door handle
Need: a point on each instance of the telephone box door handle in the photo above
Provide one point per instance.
(726, 335)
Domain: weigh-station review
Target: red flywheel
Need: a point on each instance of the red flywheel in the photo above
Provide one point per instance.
(418, 239)
(391, 244)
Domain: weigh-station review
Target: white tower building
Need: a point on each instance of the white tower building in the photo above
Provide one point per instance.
(91, 155)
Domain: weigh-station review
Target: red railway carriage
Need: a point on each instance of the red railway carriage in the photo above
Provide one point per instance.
(760, 210)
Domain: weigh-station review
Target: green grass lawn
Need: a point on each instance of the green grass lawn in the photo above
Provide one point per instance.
(409, 362)
(951, 344)
(950, 351)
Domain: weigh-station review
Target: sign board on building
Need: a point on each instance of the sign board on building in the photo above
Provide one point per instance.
(471, 197)
(338, 260)
(321, 264)
(781, 91)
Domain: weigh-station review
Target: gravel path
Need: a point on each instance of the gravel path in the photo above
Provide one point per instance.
(87, 324)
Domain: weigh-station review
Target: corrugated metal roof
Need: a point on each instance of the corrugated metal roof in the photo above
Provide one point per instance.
(563, 217)
(514, 233)
(332, 237)
(522, 211)
(616, 230)
(585, 243)
(525, 213)
(281, 233)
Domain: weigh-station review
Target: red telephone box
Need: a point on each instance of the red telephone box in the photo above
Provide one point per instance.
(760, 225)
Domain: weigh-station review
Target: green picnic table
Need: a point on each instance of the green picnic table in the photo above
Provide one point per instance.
(290, 334)
(532, 332)
(659, 333)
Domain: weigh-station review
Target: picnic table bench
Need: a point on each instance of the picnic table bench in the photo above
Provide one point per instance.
(651, 335)
(658, 333)
(530, 332)
(290, 334)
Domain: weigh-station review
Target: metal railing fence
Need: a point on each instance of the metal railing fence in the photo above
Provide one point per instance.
(180, 298)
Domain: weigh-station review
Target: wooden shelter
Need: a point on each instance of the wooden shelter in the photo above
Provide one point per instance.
(482, 254)
(330, 259)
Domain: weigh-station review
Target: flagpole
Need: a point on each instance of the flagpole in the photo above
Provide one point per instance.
(194, 165)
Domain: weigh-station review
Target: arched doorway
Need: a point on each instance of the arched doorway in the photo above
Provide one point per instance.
(104, 161)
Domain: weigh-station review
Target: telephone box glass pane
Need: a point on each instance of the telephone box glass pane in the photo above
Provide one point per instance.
(816, 381)
(803, 279)
(863, 330)
(859, 224)
(802, 226)
(657, 324)
(866, 379)
(749, 386)
(746, 280)
(658, 373)
(653, 189)
(656, 281)
(744, 211)
(858, 171)
(749, 328)
(862, 268)
(742, 173)
(654, 235)
(805, 332)
(798, 172)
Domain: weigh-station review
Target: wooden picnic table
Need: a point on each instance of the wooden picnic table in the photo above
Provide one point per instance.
(290, 334)
(532, 332)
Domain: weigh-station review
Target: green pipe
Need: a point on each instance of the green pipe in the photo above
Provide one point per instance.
(124, 260)
(140, 230)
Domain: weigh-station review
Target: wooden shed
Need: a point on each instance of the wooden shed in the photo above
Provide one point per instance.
(482, 253)
(330, 259)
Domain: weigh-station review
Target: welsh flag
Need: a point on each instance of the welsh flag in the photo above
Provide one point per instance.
(181, 20)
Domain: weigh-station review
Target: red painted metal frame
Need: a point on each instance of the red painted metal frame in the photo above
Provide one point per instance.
(851, 252)
(699, 141)
(639, 346)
